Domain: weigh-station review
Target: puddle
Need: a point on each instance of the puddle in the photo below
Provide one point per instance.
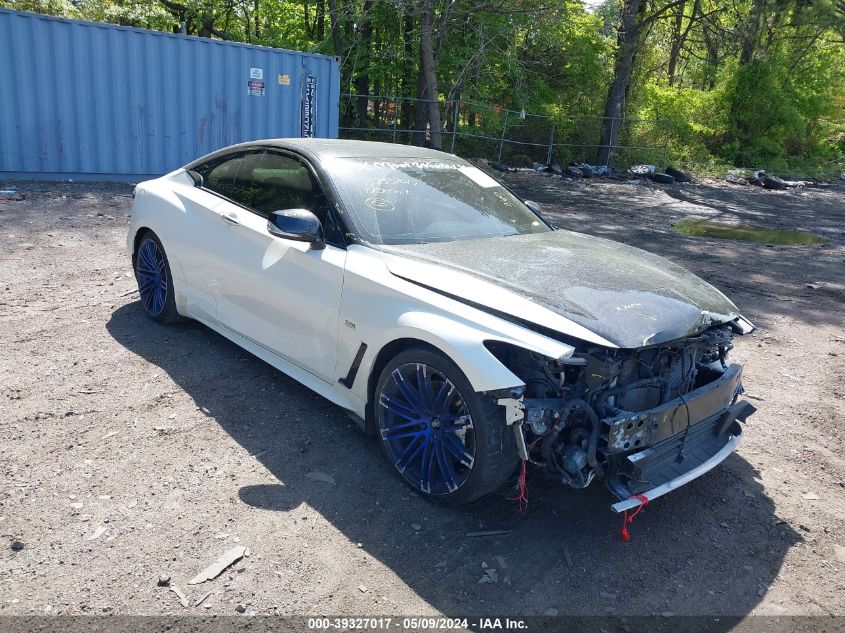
(747, 233)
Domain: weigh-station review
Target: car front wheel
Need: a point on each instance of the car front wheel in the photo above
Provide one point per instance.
(445, 440)
(155, 283)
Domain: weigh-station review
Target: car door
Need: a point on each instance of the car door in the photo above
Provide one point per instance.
(282, 294)
(201, 237)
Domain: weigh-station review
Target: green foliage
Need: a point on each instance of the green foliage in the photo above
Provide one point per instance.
(773, 112)
(693, 117)
(752, 83)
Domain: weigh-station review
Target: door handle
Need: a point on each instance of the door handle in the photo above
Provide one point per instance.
(231, 218)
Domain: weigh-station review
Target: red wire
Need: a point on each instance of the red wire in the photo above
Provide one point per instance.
(522, 497)
(626, 520)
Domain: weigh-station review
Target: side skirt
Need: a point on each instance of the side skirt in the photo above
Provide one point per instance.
(329, 391)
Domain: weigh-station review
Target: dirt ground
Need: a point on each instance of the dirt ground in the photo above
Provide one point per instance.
(130, 450)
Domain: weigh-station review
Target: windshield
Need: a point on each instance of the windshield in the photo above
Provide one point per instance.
(417, 201)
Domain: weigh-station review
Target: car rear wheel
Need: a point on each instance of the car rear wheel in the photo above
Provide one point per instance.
(155, 283)
(445, 440)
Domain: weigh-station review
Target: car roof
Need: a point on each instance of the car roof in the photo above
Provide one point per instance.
(345, 148)
(320, 149)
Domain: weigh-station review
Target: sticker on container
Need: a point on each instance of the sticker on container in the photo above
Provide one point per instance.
(478, 177)
(255, 88)
(284, 80)
(308, 107)
(256, 73)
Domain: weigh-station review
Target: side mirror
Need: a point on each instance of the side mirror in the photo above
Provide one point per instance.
(196, 177)
(535, 208)
(297, 224)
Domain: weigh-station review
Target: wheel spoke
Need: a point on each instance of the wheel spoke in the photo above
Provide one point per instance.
(426, 466)
(408, 455)
(406, 390)
(446, 468)
(147, 256)
(159, 303)
(452, 444)
(458, 422)
(147, 298)
(143, 269)
(146, 284)
(458, 418)
(395, 406)
(423, 385)
(443, 395)
(394, 434)
(395, 428)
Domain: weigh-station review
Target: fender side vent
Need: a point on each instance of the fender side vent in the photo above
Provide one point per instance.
(349, 380)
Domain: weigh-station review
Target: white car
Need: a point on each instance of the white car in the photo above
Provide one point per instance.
(446, 316)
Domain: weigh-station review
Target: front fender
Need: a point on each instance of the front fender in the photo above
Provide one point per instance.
(379, 309)
(463, 343)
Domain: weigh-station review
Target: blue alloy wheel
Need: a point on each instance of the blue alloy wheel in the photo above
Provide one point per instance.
(426, 428)
(151, 273)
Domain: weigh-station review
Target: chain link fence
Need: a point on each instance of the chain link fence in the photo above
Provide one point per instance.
(516, 138)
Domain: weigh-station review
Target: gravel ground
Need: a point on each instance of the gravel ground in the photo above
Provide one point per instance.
(130, 450)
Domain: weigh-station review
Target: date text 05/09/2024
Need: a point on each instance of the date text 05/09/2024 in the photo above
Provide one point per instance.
(417, 623)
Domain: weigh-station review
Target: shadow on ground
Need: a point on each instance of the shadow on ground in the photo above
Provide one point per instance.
(712, 548)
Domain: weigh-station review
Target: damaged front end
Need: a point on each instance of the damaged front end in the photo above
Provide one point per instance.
(645, 421)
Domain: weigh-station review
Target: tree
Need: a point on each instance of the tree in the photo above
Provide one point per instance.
(362, 81)
(427, 84)
(751, 82)
(626, 51)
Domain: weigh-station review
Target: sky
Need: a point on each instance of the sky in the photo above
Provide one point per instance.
(591, 4)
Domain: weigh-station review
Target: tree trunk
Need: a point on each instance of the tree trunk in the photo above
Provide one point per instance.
(420, 113)
(362, 81)
(309, 30)
(321, 20)
(377, 103)
(614, 110)
(677, 40)
(453, 114)
(337, 40)
(407, 67)
(428, 79)
(711, 44)
(751, 32)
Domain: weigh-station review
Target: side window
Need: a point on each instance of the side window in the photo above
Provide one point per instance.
(219, 176)
(268, 182)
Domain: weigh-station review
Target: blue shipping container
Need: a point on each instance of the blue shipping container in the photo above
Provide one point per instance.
(84, 100)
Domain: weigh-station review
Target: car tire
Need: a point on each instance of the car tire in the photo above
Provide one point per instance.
(466, 459)
(155, 283)
(774, 183)
(678, 175)
(663, 179)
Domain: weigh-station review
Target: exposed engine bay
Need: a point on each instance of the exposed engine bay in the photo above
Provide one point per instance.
(633, 418)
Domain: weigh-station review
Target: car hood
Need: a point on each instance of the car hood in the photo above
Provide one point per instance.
(627, 296)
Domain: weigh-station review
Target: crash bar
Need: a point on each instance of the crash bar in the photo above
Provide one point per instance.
(694, 473)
